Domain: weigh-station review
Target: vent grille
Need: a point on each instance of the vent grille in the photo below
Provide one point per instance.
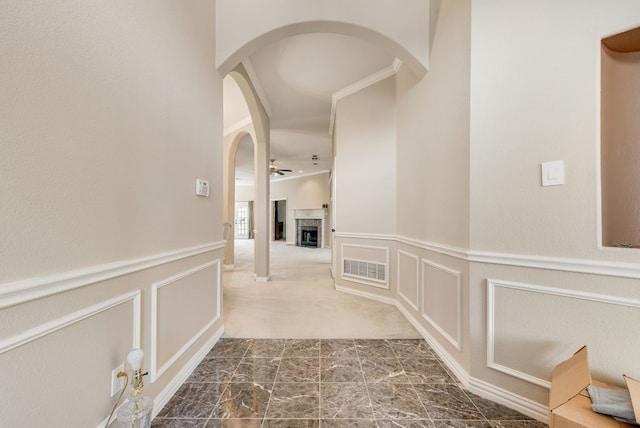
(367, 270)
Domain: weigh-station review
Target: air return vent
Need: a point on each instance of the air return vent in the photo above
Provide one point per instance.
(365, 270)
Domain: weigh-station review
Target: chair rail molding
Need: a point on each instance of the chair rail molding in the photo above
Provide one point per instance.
(22, 291)
(563, 264)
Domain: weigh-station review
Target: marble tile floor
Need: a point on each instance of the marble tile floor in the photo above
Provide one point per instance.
(356, 383)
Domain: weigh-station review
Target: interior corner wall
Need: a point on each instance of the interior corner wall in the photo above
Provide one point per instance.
(109, 114)
(433, 137)
(432, 190)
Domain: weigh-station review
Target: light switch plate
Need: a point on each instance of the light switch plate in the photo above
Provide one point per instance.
(552, 173)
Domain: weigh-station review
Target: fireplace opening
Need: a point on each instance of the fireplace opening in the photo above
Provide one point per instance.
(309, 236)
(309, 229)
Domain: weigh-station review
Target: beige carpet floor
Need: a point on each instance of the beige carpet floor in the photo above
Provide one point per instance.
(300, 301)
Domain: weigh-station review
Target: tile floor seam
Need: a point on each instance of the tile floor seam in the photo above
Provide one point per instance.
(424, 406)
(226, 384)
(366, 384)
(273, 384)
(466, 393)
(320, 383)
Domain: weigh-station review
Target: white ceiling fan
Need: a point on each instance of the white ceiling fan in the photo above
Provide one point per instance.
(275, 171)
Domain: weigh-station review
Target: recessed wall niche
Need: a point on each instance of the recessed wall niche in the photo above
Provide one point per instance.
(620, 139)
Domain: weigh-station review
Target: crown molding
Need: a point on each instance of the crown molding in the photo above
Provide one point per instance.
(360, 85)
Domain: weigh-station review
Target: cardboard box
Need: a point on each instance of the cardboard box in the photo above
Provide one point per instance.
(569, 402)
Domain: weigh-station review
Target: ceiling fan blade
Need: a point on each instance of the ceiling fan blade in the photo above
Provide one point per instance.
(286, 170)
(280, 172)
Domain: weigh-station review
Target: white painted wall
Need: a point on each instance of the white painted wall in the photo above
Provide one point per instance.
(535, 97)
(365, 138)
(532, 102)
(433, 187)
(433, 138)
(109, 113)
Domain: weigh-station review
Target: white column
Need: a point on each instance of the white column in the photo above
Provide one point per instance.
(261, 208)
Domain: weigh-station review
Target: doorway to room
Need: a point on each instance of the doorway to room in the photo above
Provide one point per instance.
(279, 219)
(242, 220)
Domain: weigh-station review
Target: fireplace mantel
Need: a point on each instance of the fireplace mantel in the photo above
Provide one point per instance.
(306, 216)
(319, 213)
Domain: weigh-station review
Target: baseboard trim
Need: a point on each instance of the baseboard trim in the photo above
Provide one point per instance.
(458, 371)
(372, 296)
(473, 385)
(509, 399)
(167, 392)
(14, 293)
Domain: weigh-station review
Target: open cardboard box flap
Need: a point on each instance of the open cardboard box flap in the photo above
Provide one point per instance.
(634, 390)
(569, 378)
(572, 376)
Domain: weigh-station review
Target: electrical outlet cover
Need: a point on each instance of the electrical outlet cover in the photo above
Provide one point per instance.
(117, 383)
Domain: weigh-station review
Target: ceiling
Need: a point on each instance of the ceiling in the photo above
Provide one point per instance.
(296, 79)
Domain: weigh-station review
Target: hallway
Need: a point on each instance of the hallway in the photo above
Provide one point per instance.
(297, 353)
(300, 301)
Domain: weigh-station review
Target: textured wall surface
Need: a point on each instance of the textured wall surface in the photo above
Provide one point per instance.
(110, 111)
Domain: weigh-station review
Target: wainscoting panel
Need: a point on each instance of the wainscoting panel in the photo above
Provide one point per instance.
(79, 348)
(195, 291)
(442, 301)
(365, 264)
(409, 278)
(531, 328)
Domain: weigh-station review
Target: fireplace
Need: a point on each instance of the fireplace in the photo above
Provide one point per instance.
(309, 236)
(309, 228)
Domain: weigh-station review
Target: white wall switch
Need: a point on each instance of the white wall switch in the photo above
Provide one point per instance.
(552, 173)
(202, 187)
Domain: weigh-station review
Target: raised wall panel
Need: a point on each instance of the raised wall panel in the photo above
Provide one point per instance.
(195, 291)
(80, 348)
(409, 278)
(531, 328)
(442, 300)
